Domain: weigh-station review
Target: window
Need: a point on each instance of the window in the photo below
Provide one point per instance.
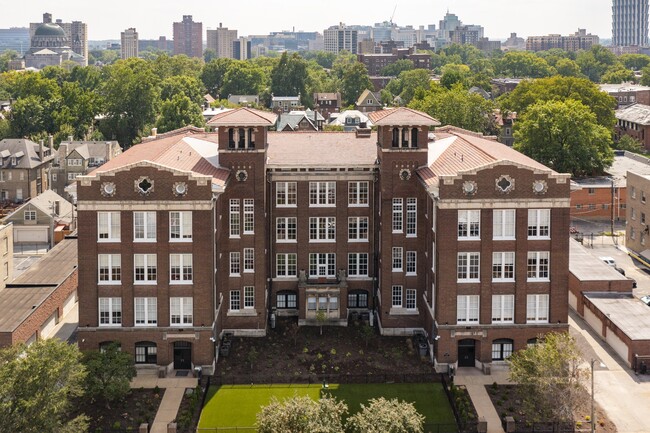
(632, 233)
(286, 300)
(357, 193)
(234, 218)
(146, 353)
(358, 299)
(322, 193)
(537, 309)
(397, 297)
(73, 176)
(538, 265)
(285, 229)
(503, 224)
(591, 191)
(146, 313)
(503, 308)
(633, 192)
(108, 226)
(410, 299)
(180, 226)
(469, 226)
(285, 265)
(397, 259)
(326, 303)
(110, 268)
(467, 309)
(503, 266)
(468, 267)
(358, 228)
(411, 217)
(633, 213)
(30, 215)
(235, 263)
(144, 268)
(180, 311)
(249, 297)
(501, 349)
(642, 217)
(235, 300)
(286, 194)
(322, 228)
(358, 264)
(249, 216)
(249, 260)
(110, 311)
(398, 217)
(144, 226)
(411, 265)
(180, 268)
(322, 265)
(539, 221)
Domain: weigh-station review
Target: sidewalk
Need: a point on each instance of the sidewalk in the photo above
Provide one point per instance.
(475, 381)
(171, 401)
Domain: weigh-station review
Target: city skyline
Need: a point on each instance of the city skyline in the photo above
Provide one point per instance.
(498, 17)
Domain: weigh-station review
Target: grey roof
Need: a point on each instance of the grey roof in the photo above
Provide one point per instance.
(293, 118)
(29, 157)
(93, 149)
(623, 162)
(627, 313)
(285, 98)
(18, 303)
(635, 113)
(243, 99)
(43, 203)
(53, 269)
(624, 87)
(49, 29)
(586, 267)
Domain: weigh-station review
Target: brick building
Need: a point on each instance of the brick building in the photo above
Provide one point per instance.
(634, 120)
(24, 166)
(193, 234)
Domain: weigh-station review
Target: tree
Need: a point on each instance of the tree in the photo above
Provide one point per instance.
(394, 69)
(594, 62)
(178, 112)
(29, 116)
(36, 385)
(452, 74)
(568, 68)
(243, 78)
(289, 77)
(213, 74)
(166, 66)
(382, 415)
(630, 143)
(5, 58)
(645, 76)
(109, 374)
(353, 77)
(617, 74)
(302, 415)
(524, 64)
(634, 62)
(183, 85)
(565, 136)
(551, 375)
(208, 55)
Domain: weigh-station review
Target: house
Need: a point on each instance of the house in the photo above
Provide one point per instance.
(23, 169)
(75, 158)
(244, 100)
(505, 123)
(627, 93)
(42, 219)
(327, 103)
(284, 104)
(368, 102)
(504, 85)
(300, 121)
(446, 233)
(350, 120)
(6, 254)
(210, 112)
(634, 120)
(33, 303)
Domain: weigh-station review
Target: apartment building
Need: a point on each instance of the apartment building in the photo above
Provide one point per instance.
(220, 40)
(129, 39)
(188, 37)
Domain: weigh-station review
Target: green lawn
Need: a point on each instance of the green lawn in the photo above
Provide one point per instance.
(236, 405)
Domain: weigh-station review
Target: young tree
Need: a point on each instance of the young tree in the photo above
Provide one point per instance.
(36, 385)
(381, 415)
(302, 415)
(109, 374)
(551, 375)
(178, 112)
(630, 143)
(565, 136)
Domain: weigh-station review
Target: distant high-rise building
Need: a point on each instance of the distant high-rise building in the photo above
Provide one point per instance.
(129, 43)
(188, 37)
(340, 38)
(630, 23)
(241, 49)
(220, 40)
(75, 31)
(15, 38)
(580, 40)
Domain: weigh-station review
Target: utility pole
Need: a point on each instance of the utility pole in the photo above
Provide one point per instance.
(612, 219)
(593, 414)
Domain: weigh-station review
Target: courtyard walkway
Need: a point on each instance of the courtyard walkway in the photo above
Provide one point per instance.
(475, 381)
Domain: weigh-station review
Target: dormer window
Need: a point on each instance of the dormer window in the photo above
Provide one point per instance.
(13, 160)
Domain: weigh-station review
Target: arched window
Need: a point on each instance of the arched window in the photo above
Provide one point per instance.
(146, 352)
(501, 349)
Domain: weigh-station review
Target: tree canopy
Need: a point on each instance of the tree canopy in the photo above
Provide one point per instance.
(302, 415)
(381, 415)
(109, 374)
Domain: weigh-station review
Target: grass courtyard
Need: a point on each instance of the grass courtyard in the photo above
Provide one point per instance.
(237, 405)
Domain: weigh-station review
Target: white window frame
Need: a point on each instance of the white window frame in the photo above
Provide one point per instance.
(503, 266)
(322, 194)
(249, 260)
(411, 299)
(537, 308)
(465, 267)
(355, 229)
(503, 309)
(286, 229)
(148, 262)
(249, 297)
(503, 224)
(322, 261)
(322, 229)
(235, 263)
(286, 265)
(536, 269)
(234, 301)
(286, 194)
(108, 226)
(539, 224)
(147, 226)
(358, 194)
(249, 216)
(411, 217)
(181, 311)
(113, 308)
(468, 308)
(184, 261)
(145, 311)
(357, 265)
(29, 215)
(397, 255)
(113, 263)
(180, 226)
(396, 296)
(234, 222)
(411, 263)
(469, 225)
(398, 215)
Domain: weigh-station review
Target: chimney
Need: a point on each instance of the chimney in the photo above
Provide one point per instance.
(40, 149)
(154, 132)
(63, 152)
(50, 142)
(109, 154)
(70, 138)
(57, 207)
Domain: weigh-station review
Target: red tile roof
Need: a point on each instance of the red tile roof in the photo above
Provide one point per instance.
(244, 117)
(401, 116)
(321, 149)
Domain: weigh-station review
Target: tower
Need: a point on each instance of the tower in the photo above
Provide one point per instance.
(630, 23)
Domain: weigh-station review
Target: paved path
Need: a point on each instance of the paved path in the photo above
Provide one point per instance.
(475, 381)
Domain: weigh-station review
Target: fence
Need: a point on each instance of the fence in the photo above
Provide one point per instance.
(329, 378)
(543, 427)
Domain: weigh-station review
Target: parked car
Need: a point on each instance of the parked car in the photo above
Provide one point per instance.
(608, 260)
(646, 300)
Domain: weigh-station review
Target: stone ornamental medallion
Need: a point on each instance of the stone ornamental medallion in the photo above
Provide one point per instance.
(241, 175)
(505, 184)
(108, 189)
(405, 174)
(180, 189)
(470, 187)
(540, 187)
(143, 186)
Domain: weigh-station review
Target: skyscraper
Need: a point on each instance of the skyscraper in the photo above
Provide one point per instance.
(629, 23)
(188, 37)
(220, 41)
(339, 38)
(129, 43)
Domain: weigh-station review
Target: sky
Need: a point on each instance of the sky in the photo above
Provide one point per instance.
(153, 18)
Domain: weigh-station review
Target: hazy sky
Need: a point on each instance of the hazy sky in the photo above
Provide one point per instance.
(106, 19)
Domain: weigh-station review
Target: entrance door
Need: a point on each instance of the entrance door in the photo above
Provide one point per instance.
(182, 355)
(466, 353)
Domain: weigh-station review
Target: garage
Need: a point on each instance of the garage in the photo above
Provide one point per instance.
(48, 326)
(31, 234)
(618, 345)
